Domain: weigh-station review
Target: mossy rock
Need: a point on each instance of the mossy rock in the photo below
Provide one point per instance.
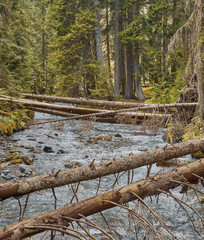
(99, 138)
(22, 159)
(73, 164)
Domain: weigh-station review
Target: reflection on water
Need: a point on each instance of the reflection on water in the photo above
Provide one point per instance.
(70, 143)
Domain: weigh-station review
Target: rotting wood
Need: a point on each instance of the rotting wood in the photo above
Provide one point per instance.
(143, 188)
(92, 171)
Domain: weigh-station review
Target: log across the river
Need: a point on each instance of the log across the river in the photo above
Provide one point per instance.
(61, 178)
(143, 188)
(88, 112)
(107, 104)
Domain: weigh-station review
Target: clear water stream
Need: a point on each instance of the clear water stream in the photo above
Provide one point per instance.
(71, 144)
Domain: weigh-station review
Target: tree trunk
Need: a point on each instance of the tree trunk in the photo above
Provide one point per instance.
(93, 171)
(99, 51)
(190, 38)
(116, 51)
(107, 36)
(129, 89)
(143, 188)
(138, 84)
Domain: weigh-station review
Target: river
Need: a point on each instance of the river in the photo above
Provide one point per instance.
(71, 142)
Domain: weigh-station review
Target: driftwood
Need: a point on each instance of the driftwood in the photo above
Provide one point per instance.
(107, 104)
(143, 188)
(93, 171)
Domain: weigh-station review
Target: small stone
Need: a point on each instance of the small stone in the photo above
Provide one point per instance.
(25, 169)
(6, 172)
(143, 149)
(118, 135)
(60, 151)
(7, 176)
(47, 149)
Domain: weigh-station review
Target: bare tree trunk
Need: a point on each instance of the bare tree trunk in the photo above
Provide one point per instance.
(129, 89)
(116, 51)
(143, 188)
(99, 51)
(93, 171)
(138, 84)
(107, 36)
(193, 31)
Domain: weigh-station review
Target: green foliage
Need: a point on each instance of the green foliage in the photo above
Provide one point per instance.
(67, 61)
(14, 122)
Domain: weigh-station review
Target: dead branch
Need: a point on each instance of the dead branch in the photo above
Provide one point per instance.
(18, 188)
(143, 188)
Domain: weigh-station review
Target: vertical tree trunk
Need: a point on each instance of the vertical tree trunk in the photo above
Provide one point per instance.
(116, 51)
(99, 51)
(200, 59)
(129, 90)
(138, 84)
(107, 36)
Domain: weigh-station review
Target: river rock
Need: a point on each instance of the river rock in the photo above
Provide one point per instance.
(48, 149)
(25, 169)
(118, 135)
(53, 135)
(96, 139)
(6, 174)
(143, 149)
(60, 151)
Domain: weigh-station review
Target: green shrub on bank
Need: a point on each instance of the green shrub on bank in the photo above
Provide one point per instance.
(14, 121)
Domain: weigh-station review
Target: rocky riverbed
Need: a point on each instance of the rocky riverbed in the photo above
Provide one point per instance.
(77, 143)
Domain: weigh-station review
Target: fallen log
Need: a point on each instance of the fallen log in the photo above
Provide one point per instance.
(92, 171)
(127, 115)
(84, 101)
(92, 113)
(140, 189)
(106, 104)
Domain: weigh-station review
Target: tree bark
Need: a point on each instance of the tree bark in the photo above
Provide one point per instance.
(106, 104)
(99, 51)
(93, 171)
(129, 89)
(138, 84)
(190, 38)
(116, 52)
(143, 188)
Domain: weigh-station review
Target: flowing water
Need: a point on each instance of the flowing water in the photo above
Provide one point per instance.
(71, 143)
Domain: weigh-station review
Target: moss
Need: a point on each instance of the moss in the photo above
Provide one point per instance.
(14, 121)
(194, 131)
(174, 132)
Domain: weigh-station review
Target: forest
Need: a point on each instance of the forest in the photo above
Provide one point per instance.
(116, 86)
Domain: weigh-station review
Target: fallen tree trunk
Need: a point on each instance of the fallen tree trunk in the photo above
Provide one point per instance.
(128, 115)
(86, 113)
(92, 171)
(84, 101)
(143, 188)
(106, 104)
